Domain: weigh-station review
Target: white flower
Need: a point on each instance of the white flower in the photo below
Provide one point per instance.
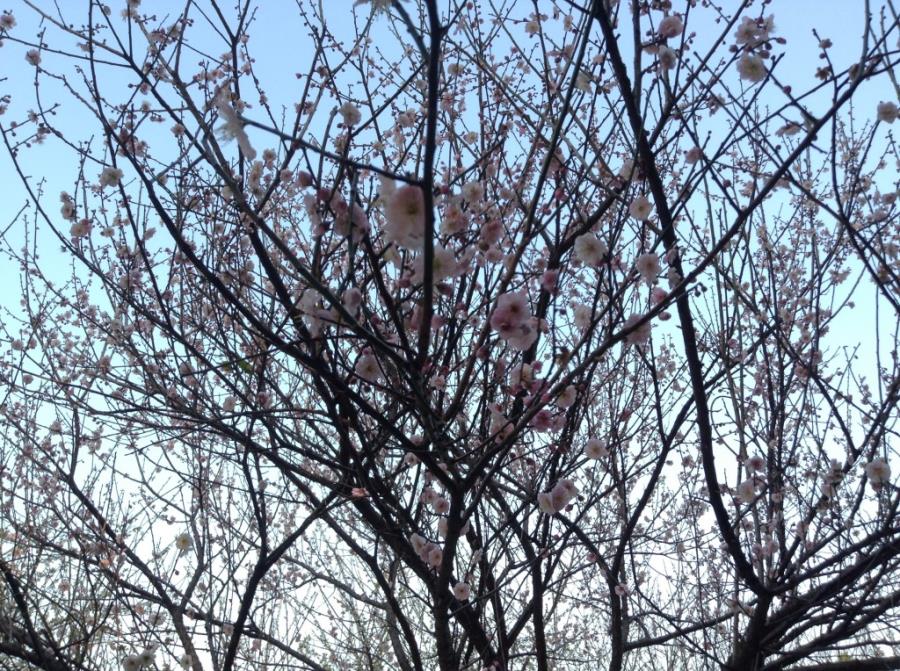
(545, 503)
(67, 210)
(184, 542)
(110, 176)
(667, 57)
(461, 591)
(887, 112)
(639, 335)
(234, 127)
(752, 68)
(435, 556)
(582, 316)
(671, 26)
(590, 250)
(472, 192)
(80, 229)
(131, 663)
(557, 498)
(444, 264)
(640, 208)
(567, 397)
(33, 56)
(583, 82)
(755, 463)
(7, 22)
(693, 155)
(418, 543)
(595, 449)
(350, 113)
(405, 214)
(532, 27)
(751, 32)
(746, 491)
(878, 472)
(367, 368)
(648, 267)
(148, 656)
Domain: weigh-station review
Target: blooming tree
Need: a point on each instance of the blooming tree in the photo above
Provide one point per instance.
(497, 335)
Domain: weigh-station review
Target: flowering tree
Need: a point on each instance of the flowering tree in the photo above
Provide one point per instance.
(502, 336)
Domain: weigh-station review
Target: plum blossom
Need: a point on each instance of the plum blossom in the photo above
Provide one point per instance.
(7, 21)
(640, 208)
(67, 210)
(183, 542)
(542, 420)
(693, 155)
(670, 26)
(367, 368)
(110, 176)
(418, 542)
(444, 265)
(351, 221)
(582, 316)
(590, 250)
(512, 310)
(558, 497)
(435, 556)
(566, 398)
(746, 491)
(473, 192)
(755, 464)
(648, 267)
(639, 335)
(33, 56)
(751, 32)
(233, 128)
(350, 114)
(147, 657)
(887, 112)
(443, 527)
(878, 472)
(512, 319)
(622, 590)
(667, 57)
(80, 229)
(595, 448)
(462, 591)
(405, 215)
(752, 68)
(441, 505)
(583, 81)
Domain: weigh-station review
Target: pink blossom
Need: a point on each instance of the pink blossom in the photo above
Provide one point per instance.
(648, 267)
(595, 448)
(590, 250)
(511, 312)
(405, 215)
(461, 591)
(367, 368)
(639, 335)
(640, 208)
(670, 26)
